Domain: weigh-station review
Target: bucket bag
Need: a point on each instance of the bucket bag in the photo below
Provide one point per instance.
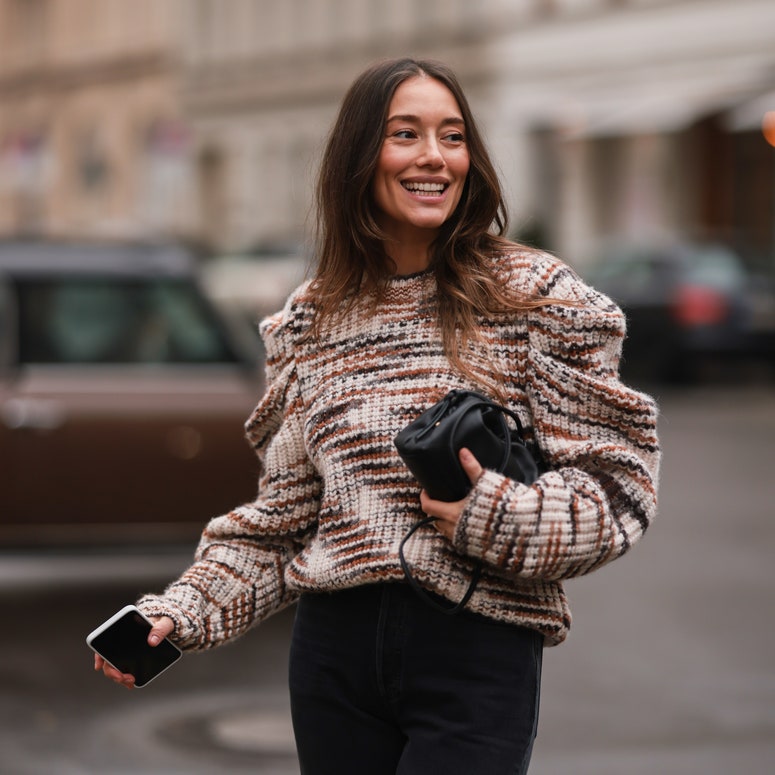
(430, 447)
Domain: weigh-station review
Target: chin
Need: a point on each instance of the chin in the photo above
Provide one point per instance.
(429, 222)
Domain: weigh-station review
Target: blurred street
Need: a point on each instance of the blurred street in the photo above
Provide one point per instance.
(668, 668)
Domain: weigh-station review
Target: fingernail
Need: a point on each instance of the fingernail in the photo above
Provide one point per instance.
(154, 639)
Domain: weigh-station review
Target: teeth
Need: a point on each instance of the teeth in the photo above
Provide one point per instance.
(435, 188)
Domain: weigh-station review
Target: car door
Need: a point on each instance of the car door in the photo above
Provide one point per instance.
(123, 415)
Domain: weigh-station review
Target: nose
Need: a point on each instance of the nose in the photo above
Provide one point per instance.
(430, 155)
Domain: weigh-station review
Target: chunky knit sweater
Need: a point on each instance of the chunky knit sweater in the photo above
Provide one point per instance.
(334, 498)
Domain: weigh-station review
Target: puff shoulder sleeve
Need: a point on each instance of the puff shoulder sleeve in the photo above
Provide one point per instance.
(597, 436)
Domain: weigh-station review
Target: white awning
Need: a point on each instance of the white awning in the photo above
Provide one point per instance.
(664, 100)
(644, 70)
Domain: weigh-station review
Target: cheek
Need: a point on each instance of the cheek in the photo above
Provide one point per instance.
(379, 191)
(390, 163)
(461, 165)
(460, 169)
(384, 172)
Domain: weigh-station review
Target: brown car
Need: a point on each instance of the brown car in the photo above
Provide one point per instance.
(123, 394)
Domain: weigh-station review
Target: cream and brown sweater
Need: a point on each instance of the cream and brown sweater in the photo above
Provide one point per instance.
(334, 498)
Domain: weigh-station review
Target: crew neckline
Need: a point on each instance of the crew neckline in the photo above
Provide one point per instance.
(412, 275)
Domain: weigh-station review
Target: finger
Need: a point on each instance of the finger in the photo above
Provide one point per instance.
(446, 515)
(447, 529)
(124, 679)
(426, 502)
(440, 509)
(160, 630)
(128, 681)
(111, 672)
(470, 465)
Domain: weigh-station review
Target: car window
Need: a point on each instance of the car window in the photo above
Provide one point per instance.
(627, 279)
(88, 320)
(716, 268)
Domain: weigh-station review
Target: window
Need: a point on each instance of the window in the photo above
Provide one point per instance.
(104, 321)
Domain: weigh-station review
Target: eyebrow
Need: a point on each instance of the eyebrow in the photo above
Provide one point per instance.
(456, 120)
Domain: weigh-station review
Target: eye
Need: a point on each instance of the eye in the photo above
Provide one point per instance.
(455, 137)
(405, 134)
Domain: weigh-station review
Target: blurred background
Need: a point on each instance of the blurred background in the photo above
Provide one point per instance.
(637, 133)
(157, 164)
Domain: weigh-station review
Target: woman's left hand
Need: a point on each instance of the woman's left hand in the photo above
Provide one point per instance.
(447, 514)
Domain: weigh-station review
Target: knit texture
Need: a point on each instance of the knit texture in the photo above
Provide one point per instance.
(334, 498)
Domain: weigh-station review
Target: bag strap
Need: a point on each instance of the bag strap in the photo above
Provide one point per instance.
(453, 609)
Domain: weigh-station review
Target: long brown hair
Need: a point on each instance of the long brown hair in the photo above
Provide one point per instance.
(352, 260)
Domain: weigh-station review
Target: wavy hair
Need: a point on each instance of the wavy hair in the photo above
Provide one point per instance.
(352, 260)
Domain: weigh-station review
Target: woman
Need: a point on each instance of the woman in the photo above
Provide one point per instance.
(416, 292)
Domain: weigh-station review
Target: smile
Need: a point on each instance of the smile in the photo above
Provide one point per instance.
(425, 189)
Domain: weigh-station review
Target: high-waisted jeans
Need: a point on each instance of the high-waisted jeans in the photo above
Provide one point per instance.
(381, 683)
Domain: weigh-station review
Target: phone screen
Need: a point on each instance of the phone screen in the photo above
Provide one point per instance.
(123, 642)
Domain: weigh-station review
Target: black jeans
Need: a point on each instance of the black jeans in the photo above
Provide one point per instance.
(383, 684)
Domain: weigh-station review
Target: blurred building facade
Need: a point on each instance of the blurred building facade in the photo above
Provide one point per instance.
(91, 134)
(205, 118)
(644, 122)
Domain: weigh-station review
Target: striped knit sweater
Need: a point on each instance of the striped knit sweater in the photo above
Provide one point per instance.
(334, 499)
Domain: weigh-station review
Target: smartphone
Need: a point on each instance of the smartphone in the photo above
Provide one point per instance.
(123, 642)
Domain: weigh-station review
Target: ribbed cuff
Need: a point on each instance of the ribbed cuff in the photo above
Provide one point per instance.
(185, 634)
(480, 530)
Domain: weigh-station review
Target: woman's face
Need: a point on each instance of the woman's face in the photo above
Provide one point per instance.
(423, 163)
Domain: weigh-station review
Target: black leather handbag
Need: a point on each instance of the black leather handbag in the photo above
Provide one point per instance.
(430, 445)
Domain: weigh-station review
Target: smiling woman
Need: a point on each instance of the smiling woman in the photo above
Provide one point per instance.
(416, 293)
(357, 256)
(421, 170)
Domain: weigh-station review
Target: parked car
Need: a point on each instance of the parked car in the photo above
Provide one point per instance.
(687, 305)
(123, 394)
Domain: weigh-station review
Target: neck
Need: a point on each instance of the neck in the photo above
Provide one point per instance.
(410, 257)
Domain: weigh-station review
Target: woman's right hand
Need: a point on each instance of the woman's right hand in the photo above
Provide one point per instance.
(162, 627)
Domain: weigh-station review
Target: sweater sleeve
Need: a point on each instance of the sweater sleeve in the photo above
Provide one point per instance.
(237, 578)
(598, 438)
